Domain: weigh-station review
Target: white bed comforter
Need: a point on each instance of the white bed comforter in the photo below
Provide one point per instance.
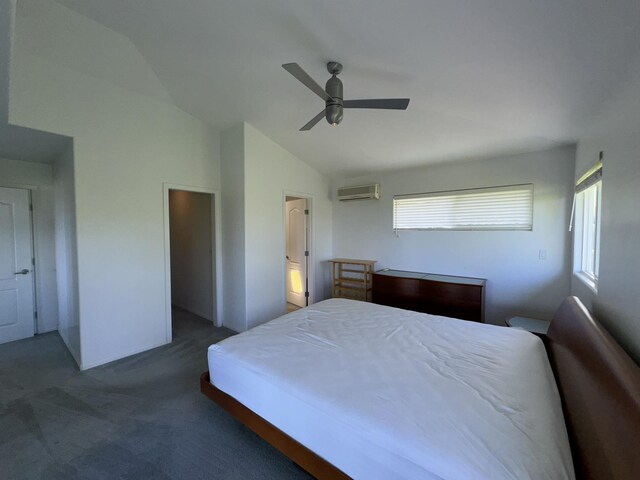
(388, 393)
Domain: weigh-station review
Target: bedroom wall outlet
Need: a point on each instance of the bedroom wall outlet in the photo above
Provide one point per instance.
(542, 254)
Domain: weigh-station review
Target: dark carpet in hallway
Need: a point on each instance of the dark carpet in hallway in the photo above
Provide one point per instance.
(142, 417)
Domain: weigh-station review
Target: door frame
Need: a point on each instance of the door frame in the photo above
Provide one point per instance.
(216, 267)
(310, 198)
(35, 264)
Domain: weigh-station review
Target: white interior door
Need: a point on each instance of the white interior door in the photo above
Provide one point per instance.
(16, 275)
(296, 261)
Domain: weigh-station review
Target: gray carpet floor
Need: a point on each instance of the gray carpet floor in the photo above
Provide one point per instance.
(142, 417)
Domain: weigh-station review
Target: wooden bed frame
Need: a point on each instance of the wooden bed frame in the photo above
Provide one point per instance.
(599, 387)
(600, 390)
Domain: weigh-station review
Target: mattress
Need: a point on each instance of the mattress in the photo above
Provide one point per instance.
(385, 393)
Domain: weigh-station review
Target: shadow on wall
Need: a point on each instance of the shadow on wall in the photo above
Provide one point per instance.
(520, 305)
(30, 145)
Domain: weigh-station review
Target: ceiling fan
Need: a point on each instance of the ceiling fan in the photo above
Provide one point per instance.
(332, 95)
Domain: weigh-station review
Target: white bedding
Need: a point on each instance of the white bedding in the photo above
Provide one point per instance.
(384, 393)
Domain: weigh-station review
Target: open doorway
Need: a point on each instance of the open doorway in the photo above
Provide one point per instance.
(17, 288)
(192, 260)
(297, 251)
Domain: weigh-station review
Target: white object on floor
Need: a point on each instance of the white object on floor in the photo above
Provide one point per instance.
(533, 325)
(384, 393)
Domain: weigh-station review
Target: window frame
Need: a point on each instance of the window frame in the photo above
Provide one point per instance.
(587, 232)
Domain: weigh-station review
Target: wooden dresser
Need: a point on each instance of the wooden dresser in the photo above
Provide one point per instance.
(458, 297)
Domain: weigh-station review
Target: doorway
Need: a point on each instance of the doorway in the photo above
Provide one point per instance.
(192, 217)
(17, 302)
(297, 251)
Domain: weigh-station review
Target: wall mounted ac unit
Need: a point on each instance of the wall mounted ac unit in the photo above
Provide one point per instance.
(359, 193)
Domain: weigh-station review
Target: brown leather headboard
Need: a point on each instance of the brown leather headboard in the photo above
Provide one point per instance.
(600, 389)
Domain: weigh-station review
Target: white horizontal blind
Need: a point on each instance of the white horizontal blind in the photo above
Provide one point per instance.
(591, 177)
(495, 208)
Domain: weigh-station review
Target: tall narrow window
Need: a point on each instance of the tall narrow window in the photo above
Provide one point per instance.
(587, 214)
(495, 208)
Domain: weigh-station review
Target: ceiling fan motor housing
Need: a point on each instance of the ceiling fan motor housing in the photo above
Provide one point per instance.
(334, 106)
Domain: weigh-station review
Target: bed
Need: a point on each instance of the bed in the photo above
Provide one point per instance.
(355, 390)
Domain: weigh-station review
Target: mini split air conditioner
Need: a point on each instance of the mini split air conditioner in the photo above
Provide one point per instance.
(359, 193)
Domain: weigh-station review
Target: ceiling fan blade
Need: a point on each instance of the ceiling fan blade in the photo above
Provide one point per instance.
(383, 103)
(310, 124)
(297, 71)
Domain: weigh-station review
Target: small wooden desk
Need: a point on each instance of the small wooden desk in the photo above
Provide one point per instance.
(351, 278)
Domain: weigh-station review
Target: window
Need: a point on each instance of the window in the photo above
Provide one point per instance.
(587, 214)
(495, 208)
(591, 230)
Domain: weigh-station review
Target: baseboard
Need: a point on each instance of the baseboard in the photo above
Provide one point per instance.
(193, 312)
(113, 358)
(74, 354)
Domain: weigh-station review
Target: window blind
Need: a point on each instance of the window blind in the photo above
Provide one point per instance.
(495, 208)
(587, 180)
(591, 177)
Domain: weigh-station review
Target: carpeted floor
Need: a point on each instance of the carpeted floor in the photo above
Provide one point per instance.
(138, 418)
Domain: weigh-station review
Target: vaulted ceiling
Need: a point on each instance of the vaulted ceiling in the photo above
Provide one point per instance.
(485, 77)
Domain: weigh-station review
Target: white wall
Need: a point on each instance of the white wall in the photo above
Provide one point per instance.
(7, 23)
(233, 228)
(271, 172)
(257, 176)
(126, 144)
(67, 253)
(191, 231)
(518, 282)
(615, 130)
(38, 178)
